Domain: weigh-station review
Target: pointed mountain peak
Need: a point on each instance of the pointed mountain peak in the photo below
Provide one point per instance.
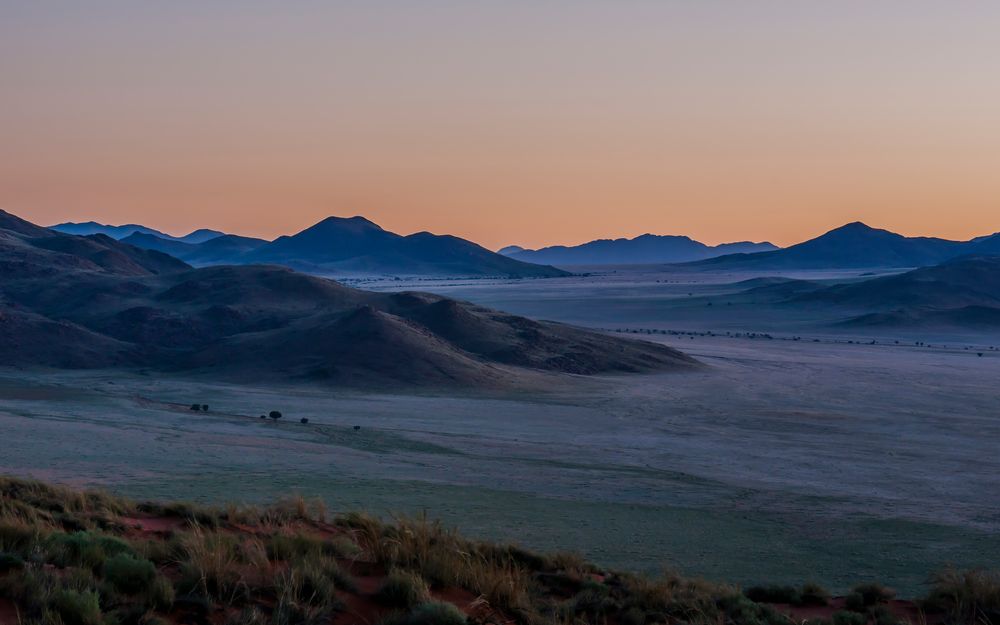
(357, 222)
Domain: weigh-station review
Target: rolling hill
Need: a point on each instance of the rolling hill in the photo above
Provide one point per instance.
(964, 292)
(854, 246)
(72, 301)
(645, 249)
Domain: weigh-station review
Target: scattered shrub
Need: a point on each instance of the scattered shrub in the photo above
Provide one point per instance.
(843, 617)
(855, 601)
(160, 594)
(84, 549)
(76, 607)
(814, 594)
(129, 575)
(774, 594)
(403, 589)
(883, 615)
(10, 562)
(436, 613)
(874, 593)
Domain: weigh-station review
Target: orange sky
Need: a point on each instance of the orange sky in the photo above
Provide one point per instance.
(515, 122)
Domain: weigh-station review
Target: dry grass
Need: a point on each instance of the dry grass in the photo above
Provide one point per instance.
(69, 560)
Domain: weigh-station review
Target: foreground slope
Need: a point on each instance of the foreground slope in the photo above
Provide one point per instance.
(88, 558)
(108, 303)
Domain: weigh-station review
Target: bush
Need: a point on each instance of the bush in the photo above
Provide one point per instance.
(274, 414)
(874, 594)
(10, 562)
(77, 607)
(403, 589)
(84, 549)
(436, 613)
(843, 617)
(129, 575)
(882, 615)
(160, 595)
(814, 594)
(773, 594)
(855, 601)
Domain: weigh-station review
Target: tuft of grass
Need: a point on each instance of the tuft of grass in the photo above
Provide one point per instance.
(216, 566)
(965, 596)
(403, 589)
(18, 536)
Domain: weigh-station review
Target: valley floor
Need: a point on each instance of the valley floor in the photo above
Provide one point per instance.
(782, 462)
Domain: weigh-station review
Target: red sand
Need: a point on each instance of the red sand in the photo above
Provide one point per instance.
(8, 613)
(154, 525)
(907, 611)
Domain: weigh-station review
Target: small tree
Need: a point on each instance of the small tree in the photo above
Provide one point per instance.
(204, 407)
(303, 420)
(274, 414)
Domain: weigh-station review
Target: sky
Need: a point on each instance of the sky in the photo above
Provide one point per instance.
(517, 122)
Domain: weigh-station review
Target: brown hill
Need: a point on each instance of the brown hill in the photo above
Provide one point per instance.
(103, 303)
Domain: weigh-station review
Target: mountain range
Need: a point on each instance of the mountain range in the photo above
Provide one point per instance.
(856, 246)
(345, 246)
(356, 245)
(645, 249)
(120, 232)
(71, 301)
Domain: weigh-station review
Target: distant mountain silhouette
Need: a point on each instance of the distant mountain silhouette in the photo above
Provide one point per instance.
(91, 301)
(213, 251)
(855, 246)
(126, 230)
(354, 244)
(645, 249)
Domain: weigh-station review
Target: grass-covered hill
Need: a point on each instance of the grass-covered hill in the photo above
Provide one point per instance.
(87, 558)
